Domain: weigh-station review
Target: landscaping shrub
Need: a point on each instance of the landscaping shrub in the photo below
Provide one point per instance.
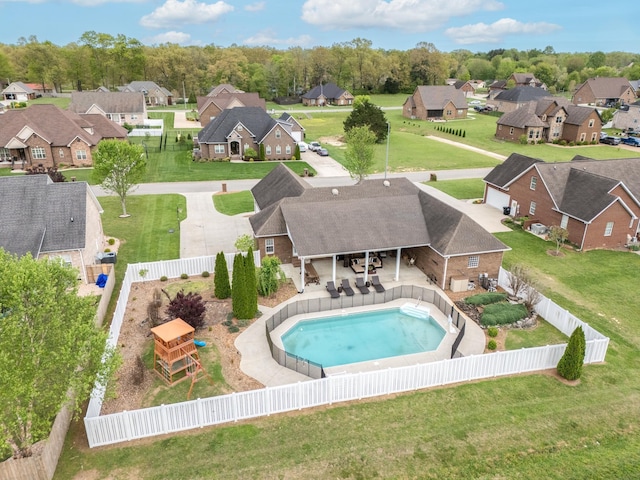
(163, 278)
(492, 331)
(138, 371)
(184, 276)
(221, 287)
(570, 365)
(107, 250)
(492, 345)
(205, 274)
(269, 276)
(189, 307)
(502, 314)
(111, 241)
(486, 298)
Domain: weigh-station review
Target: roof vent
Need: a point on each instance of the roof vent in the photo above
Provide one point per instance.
(335, 192)
(386, 183)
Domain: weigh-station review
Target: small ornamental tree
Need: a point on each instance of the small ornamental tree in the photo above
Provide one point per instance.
(222, 289)
(261, 152)
(570, 365)
(296, 154)
(269, 276)
(558, 235)
(244, 243)
(360, 151)
(189, 307)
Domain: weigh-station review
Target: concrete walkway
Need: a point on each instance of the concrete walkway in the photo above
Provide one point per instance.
(464, 146)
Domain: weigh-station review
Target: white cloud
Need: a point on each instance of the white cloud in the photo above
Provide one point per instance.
(187, 12)
(269, 37)
(255, 7)
(408, 15)
(495, 33)
(180, 38)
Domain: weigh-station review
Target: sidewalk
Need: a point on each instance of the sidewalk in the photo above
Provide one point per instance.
(464, 146)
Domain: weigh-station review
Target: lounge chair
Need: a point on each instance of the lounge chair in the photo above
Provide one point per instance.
(375, 281)
(331, 288)
(361, 286)
(347, 288)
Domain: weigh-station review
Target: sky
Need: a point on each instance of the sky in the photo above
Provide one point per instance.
(475, 25)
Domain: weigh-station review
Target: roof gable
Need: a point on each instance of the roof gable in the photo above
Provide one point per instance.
(508, 171)
(436, 97)
(255, 119)
(522, 94)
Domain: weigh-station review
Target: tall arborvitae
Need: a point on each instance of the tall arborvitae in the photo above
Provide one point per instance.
(238, 296)
(251, 284)
(222, 289)
(570, 365)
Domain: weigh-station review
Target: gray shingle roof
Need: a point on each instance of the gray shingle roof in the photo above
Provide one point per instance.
(436, 97)
(146, 86)
(276, 185)
(257, 121)
(223, 100)
(328, 90)
(222, 88)
(586, 195)
(42, 222)
(577, 115)
(108, 102)
(522, 94)
(506, 172)
(607, 87)
(370, 216)
(521, 118)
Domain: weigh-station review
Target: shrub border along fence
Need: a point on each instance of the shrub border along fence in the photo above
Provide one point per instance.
(42, 464)
(313, 305)
(148, 422)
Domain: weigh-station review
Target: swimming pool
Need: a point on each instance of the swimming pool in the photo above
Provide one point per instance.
(359, 337)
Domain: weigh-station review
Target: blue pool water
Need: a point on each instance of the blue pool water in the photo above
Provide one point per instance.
(359, 337)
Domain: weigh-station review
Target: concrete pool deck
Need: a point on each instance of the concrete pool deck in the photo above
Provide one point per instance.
(257, 362)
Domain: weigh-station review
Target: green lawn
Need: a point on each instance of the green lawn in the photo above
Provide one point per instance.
(528, 426)
(543, 334)
(234, 203)
(464, 189)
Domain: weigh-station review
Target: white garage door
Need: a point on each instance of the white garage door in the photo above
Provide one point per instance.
(497, 199)
(297, 136)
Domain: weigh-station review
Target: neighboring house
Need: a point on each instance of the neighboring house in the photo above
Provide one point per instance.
(18, 92)
(327, 94)
(628, 119)
(476, 84)
(235, 130)
(635, 84)
(550, 119)
(154, 94)
(514, 98)
(526, 80)
(210, 107)
(120, 107)
(602, 91)
(52, 220)
(40, 89)
(49, 136)
(466, 88)
(223, 88)
(442, 102)
(297, 222)
(496, 87)
(595, 200)
(297, 130)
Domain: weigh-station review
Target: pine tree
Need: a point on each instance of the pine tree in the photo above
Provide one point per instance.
(222, 289)
(464, 133)
(570, 365)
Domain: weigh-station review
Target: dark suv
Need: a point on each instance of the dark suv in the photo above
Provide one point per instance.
(610, 140)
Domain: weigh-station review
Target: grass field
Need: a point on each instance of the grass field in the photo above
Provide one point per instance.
(529, 426)
(464, 189)
(234, 203)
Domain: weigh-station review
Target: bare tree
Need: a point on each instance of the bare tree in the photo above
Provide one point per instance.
(524, 286)
(559, 235)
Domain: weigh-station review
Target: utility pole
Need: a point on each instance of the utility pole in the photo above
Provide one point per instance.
(386, 161)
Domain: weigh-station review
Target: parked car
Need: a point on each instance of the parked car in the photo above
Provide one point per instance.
(633, 141)
(323, 152)
(303, 146)
(314, 146)
(475, 102)
(609, 140)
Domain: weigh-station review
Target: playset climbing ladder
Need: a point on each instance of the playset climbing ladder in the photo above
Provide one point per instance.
(175, 356)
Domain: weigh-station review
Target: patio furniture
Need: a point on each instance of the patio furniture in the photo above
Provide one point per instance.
(331, 288)
(310, 274)
(375, 281)
(347, 288)
(357, 265)
(361, 286)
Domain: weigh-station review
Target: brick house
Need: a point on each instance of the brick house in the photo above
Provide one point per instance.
(327, 94)
(18, 92)
(119, 107)
(595, 200)
(297, 222)
(602, 91)
(223, 88)
(440, 102)
(154, 94)
(550, 119)
(54, 220)
(514, 98)
(235, 130)
(210, 107)
(297, 130)
(526, 80)
(48, 135)
(628, 119)
(466, 88)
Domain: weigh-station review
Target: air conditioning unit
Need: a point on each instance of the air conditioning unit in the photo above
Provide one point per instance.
(538, 228)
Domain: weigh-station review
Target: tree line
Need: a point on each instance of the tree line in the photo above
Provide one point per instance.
(100, 59)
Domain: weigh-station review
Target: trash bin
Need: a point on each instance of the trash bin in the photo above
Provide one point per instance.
(506, 210)
(109, 257)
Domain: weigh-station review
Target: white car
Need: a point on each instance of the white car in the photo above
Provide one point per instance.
(303, 146)
(314, 146)
(475, 102)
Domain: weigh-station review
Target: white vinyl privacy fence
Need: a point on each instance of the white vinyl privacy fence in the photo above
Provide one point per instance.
(119, 427)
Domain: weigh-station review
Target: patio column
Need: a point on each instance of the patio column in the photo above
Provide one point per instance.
(301, 274)
(366, 266)
(398, 253)
(334, 269)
